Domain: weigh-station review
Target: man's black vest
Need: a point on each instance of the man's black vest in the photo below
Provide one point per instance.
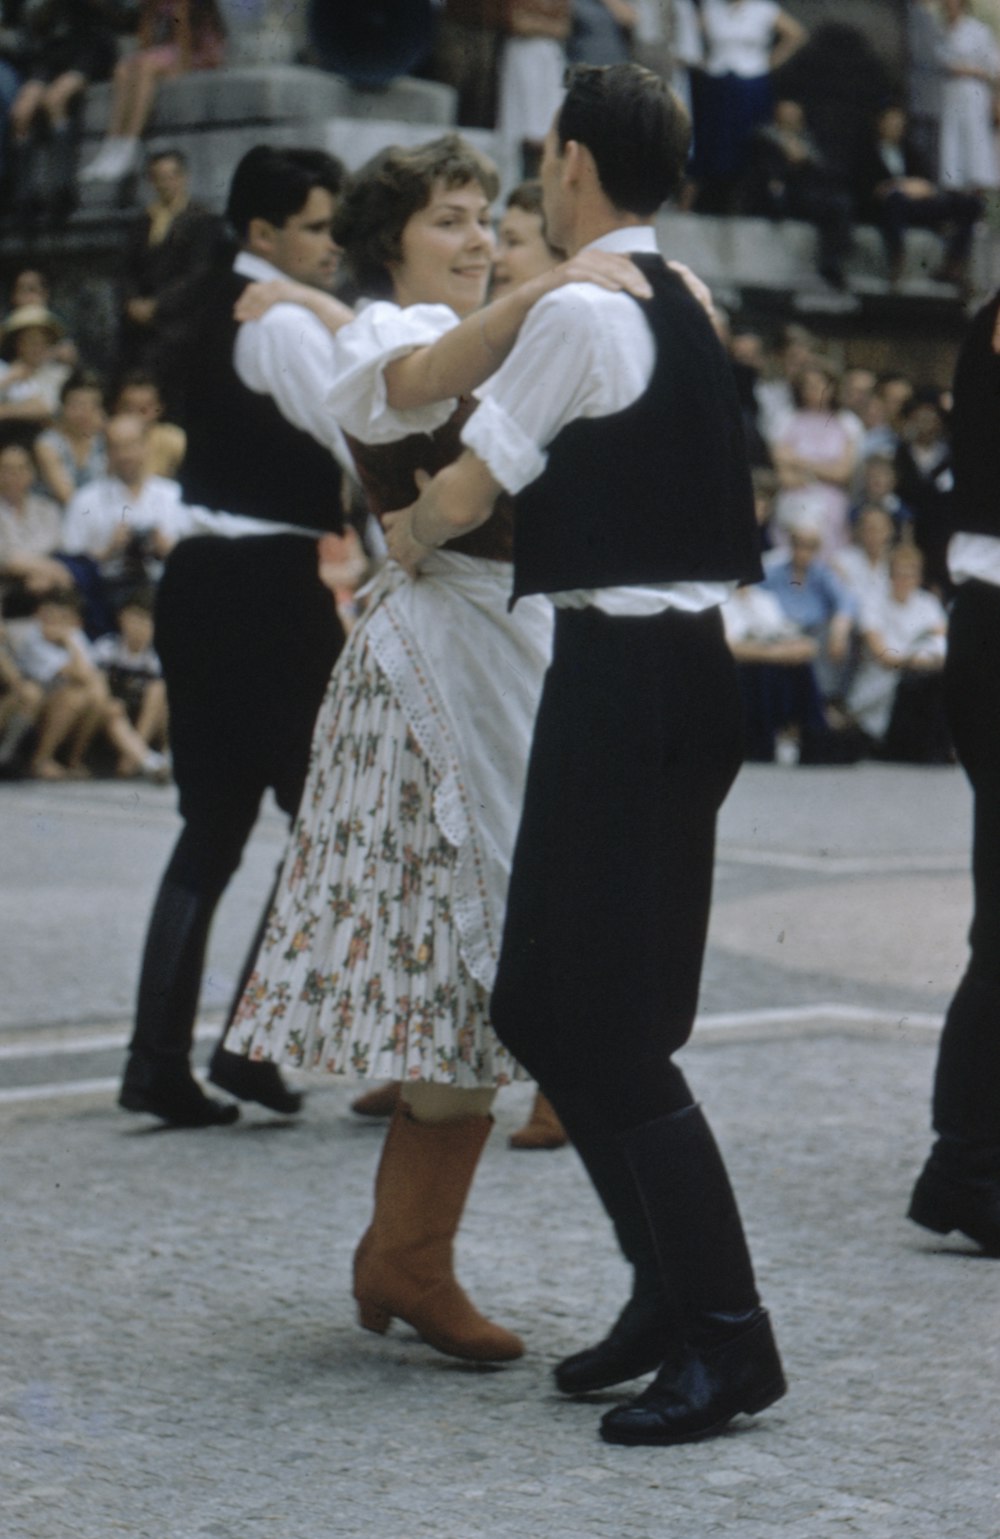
(657, 493)
(242, 455)
(975, 431)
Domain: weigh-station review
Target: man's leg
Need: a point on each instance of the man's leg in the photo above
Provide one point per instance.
(158, 1077)
(636, 744)
(960, 1185)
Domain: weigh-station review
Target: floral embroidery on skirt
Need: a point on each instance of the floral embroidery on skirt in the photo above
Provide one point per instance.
(360, 972)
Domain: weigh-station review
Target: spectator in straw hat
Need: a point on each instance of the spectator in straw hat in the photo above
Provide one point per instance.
(31, 381)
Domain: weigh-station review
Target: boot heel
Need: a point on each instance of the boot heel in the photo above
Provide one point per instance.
(372, 1317)
(758, 1403)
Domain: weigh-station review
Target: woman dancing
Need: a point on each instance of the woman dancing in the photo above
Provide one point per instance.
(380, 950)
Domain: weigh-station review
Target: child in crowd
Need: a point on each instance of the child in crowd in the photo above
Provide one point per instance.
(878, 489)
(863, 567)
(72, 453)
(51, 650)
(139, 395)
(129, 663)
(897, 696)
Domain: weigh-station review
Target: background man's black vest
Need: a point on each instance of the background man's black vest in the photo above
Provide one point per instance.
(657, 493)
(242, 455)
(975, 431)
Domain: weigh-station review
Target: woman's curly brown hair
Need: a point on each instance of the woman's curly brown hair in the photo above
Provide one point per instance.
(384, 195)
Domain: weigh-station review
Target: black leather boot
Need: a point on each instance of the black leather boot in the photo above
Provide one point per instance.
(158, 1078)
(959, 1188)
(646, 1328)
(728, 1362)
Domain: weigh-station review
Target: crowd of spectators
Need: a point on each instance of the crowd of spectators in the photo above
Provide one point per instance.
(841, 649)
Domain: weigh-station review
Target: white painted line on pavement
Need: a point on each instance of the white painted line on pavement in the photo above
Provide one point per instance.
(97, 1043)
(841, 865)
(796, 1015)
(787, 1016)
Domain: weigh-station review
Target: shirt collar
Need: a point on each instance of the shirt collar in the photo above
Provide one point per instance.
(250, 266)
(631, 237)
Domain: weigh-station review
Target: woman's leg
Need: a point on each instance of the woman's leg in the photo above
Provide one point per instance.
(404, 1264)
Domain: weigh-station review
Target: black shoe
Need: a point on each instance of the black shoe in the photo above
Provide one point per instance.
(701, 1394)
(173, 1096)
(249, 1081)
(636, 1344)
(946, 1199)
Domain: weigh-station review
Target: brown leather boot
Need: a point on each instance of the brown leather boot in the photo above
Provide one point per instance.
(381, 1102)
(543, 1130)
(403, 1266)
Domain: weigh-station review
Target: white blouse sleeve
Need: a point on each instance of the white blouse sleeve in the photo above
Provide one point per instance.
(362, 351)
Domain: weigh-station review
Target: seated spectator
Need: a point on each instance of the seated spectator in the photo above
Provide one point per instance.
(925, 481)
(175, 36)
(72, 453)
(774, 666)
(863, 566)
(878, 489)
(796, 347)
(884, 417)
(168, 247)
(52, 651)
(896, 193)
(20, 703)
(897, 696)
(790, 178)
(70, 43)
(854, 395)
(813, 597)
(30, 533)
(815, 453)
(128, 521)
(140, 396)
(30, 385)
(129, 663)
(31, 287)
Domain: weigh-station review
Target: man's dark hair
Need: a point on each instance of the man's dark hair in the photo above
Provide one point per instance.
(274, 184)
(634, 126)
(63, 598)
(385, 194)
(167, 153)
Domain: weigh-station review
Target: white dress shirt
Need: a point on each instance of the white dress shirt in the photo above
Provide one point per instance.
(288, 355)
(96, 511)
(583, 351)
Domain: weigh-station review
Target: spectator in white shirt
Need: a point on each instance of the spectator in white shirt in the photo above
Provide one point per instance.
(128, 521)
(863, 567)
(897, 695)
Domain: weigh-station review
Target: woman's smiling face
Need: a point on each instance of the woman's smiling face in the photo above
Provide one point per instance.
(447, 250)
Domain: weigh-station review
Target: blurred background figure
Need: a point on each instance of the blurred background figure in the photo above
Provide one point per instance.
(175, 36)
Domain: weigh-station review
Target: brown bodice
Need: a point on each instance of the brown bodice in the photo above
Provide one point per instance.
(388, 471)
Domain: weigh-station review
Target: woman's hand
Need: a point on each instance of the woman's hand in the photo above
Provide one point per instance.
(607, 269)
(404, 548)
(258, 298)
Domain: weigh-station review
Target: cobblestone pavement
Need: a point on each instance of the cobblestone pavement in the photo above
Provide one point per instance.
(181, 1353)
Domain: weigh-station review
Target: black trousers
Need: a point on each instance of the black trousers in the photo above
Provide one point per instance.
(637, 741)
(957, 210)
(967, 1083)
(247, 635)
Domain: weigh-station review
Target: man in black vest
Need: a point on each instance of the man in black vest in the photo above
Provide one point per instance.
(959, 1187)
(618, 427)
(246, 632)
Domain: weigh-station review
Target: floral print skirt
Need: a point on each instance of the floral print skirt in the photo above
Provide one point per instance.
(360, 972)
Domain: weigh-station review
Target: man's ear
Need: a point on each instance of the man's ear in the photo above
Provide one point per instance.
(572, 161)
(260, 236)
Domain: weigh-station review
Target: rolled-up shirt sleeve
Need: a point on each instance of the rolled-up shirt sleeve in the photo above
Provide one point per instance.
(362, 351)
(288, 355)
(569, 362)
